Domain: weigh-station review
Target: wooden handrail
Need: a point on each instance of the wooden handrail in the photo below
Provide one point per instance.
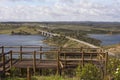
(27, 47)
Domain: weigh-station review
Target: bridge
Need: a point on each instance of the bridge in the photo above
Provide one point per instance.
(47, 34)
(59, 59)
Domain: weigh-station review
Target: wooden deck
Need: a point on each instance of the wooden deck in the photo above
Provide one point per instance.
(39, 64)
(62, 58)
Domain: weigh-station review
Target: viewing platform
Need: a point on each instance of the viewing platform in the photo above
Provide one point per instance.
(59, 59)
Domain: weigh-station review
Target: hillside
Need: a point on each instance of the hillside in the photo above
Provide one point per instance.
(114, 49)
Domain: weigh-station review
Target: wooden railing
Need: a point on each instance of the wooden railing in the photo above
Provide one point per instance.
(62, 56)
(6, 62)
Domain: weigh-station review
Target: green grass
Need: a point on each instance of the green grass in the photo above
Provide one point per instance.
(15, 78)
(44, 78)
(73, 44)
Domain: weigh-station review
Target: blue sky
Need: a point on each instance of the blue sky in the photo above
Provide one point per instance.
(59, 10)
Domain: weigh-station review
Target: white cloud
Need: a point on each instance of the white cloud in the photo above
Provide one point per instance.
(59, 10)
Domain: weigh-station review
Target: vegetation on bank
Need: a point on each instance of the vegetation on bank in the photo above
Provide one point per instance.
(61, 41)
(18, 30)
(77, 34)
(56, 40)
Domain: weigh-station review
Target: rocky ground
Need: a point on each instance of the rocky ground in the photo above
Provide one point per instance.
(114, 49)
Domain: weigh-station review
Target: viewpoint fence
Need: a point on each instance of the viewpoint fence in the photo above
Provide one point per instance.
(60, 59)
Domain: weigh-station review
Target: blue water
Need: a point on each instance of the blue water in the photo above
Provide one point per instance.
(22, 40)
(17, 40)
(106, 39)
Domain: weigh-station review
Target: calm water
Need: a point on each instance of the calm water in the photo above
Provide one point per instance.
(24, 40)
(107, 39)
(10, 40)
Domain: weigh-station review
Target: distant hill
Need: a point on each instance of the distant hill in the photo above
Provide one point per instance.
(83, 23)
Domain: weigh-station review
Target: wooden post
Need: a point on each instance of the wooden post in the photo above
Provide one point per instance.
(81, 49)
(79, 58)
(58, 67)
(20, 53)
(40, 53)
(3, 60)
(65, 60)
(82, 59)
(34, 62)
(11, 59)
(28, 74)
(106, 59)
(40, 70)
(91, 57)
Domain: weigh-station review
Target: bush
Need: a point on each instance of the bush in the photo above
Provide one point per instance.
(117, 74)
(88, 72)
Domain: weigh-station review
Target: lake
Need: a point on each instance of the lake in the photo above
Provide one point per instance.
(106, 39)
(24, 40)
(17, 40)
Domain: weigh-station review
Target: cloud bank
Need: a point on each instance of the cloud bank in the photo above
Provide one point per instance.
(59, 10)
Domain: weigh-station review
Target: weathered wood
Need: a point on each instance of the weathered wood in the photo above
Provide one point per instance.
(106, 60)
(81, 49)
(40, 53)
(34, 62)
(28, 74)
(3, 60)
(40, 70)
(61, 65)
(66, 58)
(11, 59)
(91, 57)
(65, 63)
(20, 53)
(58, 67)
(82, 59)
